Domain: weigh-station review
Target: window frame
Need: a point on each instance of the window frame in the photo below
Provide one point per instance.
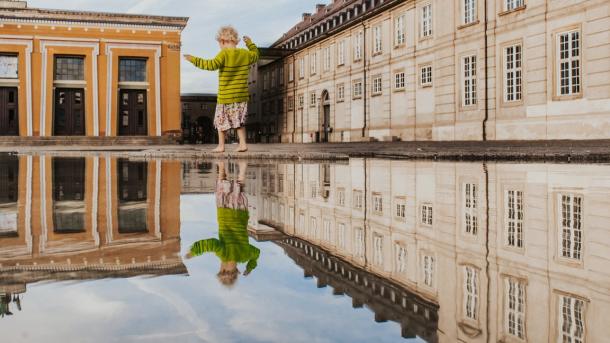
(341, 92)
(400, 80)
(561, 229)
(357, 91)
(469, 12)
(557, 96)
(377, 85)
(472, 210)
(518, 88)
(358, 46)
(82, 58)
(469, 85)
(400, 32)
(518, 311)
(427, 219)
(427, 83)
(426, 18)
(15, 56)
(518, 235)
(377, 40)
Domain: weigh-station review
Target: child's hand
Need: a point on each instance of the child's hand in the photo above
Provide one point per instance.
(188, 256)
(247, 39)
(188, 57)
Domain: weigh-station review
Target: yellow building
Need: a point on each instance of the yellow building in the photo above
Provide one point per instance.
(74, 73)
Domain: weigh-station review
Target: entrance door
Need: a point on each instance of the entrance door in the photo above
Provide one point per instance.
(69, 112)
(326, 124)
(133, 117)
(9, 111)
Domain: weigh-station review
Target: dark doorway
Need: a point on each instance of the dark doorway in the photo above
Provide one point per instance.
(69, 112)
(9, 193)
(133, 116)
(9, 111)
(326, 124)
(133, 196)
(69, 195)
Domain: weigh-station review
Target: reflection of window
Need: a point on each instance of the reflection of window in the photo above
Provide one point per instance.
(378, 250)
(514, 307)
(471, 293)
(9, 67)
(428, 268)
(341, 235)
(570, 222)
(70, 68)
(571, 319)
(133, 196)
(359, 242)
(358, 200)
(377, 203)
(327, 231)
(514, 218)
(132, 70)
(471, 221)
(69, 195)
(313, 227)
(401, 258)
(426, 214)
(341, 197)
(401, 208)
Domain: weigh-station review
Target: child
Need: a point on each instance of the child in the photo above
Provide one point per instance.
(233, 95)
(232, 246)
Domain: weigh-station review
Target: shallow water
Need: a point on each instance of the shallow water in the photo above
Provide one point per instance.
(100, 249)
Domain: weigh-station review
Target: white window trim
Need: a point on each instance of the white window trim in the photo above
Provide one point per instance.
(470, 208)
(469, 11)
(471, 293)
(341, 53)
(399, 30)
(400, 81)
(574, 255)
(427, 219)
(357, 89)
(469, 81)
(515, 308)
(377, 85)
(424, 82)
(401, 258)
(573, 315)
(518, 221)
(511, 5)
(570, 60)
(426, 19)
(513, 76)
(377, 40)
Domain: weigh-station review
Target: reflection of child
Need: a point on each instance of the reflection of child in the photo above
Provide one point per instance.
(232, 246)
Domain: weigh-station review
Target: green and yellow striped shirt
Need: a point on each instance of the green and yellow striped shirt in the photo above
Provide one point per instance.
(234, 66)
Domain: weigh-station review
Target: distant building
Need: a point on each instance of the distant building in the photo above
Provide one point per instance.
(77, 73)
(198, 111)
(412, 70)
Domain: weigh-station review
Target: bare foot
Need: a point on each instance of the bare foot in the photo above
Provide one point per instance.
(242, 149)
(219, 150)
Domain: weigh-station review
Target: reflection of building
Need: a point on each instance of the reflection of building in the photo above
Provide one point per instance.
(76, 73)
(199, 177)
(508, 252)
(442, 70)
(198, 118)
(99, 217)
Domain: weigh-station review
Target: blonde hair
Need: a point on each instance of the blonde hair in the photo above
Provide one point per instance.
(228, 33)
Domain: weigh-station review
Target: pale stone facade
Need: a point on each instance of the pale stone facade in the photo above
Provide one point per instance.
(509, 252)
(419, 70)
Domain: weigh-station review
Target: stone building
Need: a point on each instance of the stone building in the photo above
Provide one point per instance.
(198, 111)
(76, 73)
(443, 70)
(509, 253)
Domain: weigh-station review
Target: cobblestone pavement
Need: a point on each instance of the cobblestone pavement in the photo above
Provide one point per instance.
(564, 151)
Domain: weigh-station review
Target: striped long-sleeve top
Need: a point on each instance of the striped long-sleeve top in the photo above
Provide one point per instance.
(234, 66)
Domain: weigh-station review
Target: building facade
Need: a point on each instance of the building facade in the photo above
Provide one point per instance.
(75, 73)
(198, 111)
(443, 70)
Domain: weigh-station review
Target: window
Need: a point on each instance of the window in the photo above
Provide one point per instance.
(313, 227)
(302, 223)
(290, 72)
(471, 293)
(341, 197)
(514, 218)
(470, 11)
(302, 68)
(358, 47)
(290, 103)
(340, 92)
(571, 226)
(327, 231)
(510, 5)
(568, 54)
(281, 76)
(426, 76)
(377, 85)
(341, 53)
(273, 79)
(469, 97)
(327, 59)
(266, 81)
(401, 208)
(9, 67)
(313, 63)
(312, 99)
(132, 70)
(399, 80)
(426, 21)
(377, 203)
(571, 319)
(301, 101)
(359, 242)
(512, 73)
(377, 44)
(313, 187)
(358, 200)
(399, 30)
(378, 250)
(428, 267)
(426, 214)
(401, 258)
(514, 307)
(341, 235)
(69, 68)
(357, 89)
(471, 220)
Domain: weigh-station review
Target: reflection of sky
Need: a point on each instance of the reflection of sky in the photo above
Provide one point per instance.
(274, 304)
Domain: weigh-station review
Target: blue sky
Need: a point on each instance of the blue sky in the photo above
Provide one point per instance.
(265, 21)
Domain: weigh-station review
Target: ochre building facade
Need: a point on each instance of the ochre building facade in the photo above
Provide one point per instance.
(74, 73)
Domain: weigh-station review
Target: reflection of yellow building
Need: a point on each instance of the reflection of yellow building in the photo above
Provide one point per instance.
(100, 217)
(75, 73)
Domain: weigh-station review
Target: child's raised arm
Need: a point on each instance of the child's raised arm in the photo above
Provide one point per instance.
(211, 65)
(254, 53)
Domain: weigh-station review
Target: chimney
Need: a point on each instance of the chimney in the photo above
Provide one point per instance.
(306, 16)
(320, 7)
(13, 4)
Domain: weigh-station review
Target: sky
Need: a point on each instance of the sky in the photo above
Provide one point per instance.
(263, 20)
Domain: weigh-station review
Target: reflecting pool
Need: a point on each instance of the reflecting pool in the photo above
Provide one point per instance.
(106, 249)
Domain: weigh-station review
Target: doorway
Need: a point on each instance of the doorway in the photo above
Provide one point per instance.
(325, 128)
(69, 112)
(9, 111)
(133, 116)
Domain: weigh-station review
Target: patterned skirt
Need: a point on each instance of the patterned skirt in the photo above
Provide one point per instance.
(230, 194)
(230, 116)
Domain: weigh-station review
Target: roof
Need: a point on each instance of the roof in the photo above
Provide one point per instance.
(19, 13)
(199, 95)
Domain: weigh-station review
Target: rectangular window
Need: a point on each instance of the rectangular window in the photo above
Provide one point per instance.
(401, 208)
(512, 73)
(428, 267)
(471, 215)
(470, 11)
(569, 65)
(340, 92)
(312, 99)
(273, 79)
(514, 218)
(571, 319)
(357, 89)
(358, 47)
(301, 223)
(377, 85)
(358, 200)
(341, 236)
(378, 250)
(401, 258)
(377, 203)
(341, 197)
(9, 67)
(313, 227)
(301, 101)
(327, 231)
(426, 76)
(132, 70)
(301, 68)
(426, 214)
(399, 80)
(571, 226)
(290, 72)
(341, 53)
(290, 103)
(514, 307)
(426, 21)
(313, 61)
(469, 96)
(399, 30)
(281, 76)
(359, 242)
(377, 43)
(313, 187)
(471, 293)
(510, 5)
(69, 68)
(327, 59)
